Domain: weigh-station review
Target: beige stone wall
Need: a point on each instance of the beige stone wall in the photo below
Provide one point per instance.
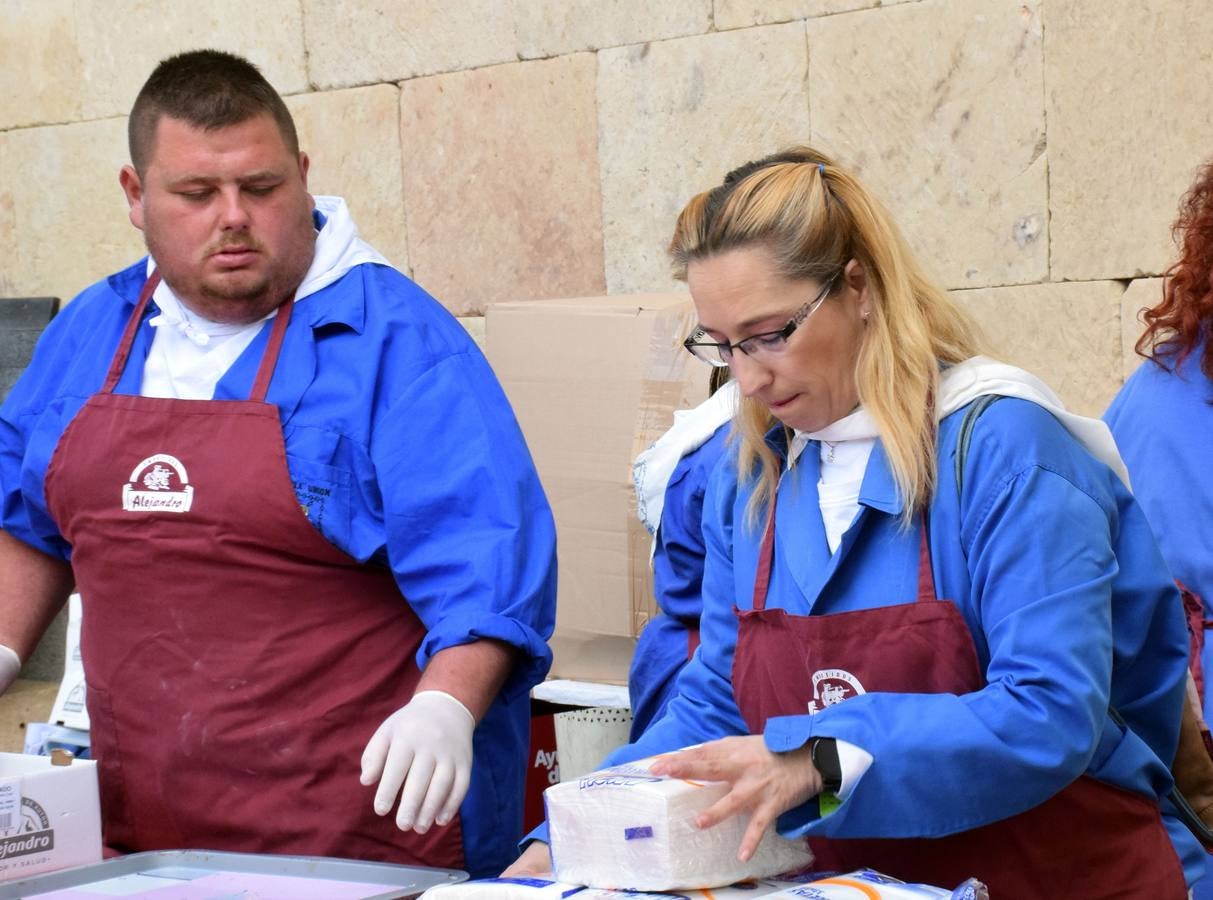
(1033, 150)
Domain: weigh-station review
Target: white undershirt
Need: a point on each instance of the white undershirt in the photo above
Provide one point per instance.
(843, 463)
(189, 353)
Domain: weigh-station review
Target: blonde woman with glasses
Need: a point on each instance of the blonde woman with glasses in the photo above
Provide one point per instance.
(933, 669)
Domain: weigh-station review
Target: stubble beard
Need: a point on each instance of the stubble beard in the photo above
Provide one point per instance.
(239, 297)
(228, 288)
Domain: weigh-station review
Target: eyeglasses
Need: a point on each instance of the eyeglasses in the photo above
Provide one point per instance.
(721, 354)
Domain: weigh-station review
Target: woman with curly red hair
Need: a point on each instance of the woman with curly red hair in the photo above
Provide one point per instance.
(1162, 418)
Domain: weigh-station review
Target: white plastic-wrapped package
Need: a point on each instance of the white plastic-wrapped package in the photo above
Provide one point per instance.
(503, 889)
(866, 884)
(542, 889)
(624, 827)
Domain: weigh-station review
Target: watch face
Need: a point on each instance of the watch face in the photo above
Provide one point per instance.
(824, 755)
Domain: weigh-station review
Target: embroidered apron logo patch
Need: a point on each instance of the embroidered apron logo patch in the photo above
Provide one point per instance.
(158, 484)
(831, 686)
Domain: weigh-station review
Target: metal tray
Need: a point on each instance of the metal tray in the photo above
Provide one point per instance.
(181, 867)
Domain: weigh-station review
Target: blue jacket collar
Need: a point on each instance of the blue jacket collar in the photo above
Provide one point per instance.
(878, 490)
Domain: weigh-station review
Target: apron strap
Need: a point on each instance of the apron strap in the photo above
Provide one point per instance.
(766, 555)
(118, 364)
(269, 359)
(926, 577)
(692, 640)
(766, 558)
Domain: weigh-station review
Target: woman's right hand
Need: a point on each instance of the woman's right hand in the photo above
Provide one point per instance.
(762, 783)
(535, 862)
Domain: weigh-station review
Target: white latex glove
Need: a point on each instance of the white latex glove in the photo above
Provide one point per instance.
(10, 667)
(426, 746)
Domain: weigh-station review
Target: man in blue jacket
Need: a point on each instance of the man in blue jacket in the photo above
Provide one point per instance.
(311, 543)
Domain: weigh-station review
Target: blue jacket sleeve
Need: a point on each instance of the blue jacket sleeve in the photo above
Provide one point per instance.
(470, 535)
(678, 560)
(679, 556)
(69, 363)
(703, 708)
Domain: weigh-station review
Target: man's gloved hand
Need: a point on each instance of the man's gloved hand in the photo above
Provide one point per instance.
(10, 667)
(426, 746)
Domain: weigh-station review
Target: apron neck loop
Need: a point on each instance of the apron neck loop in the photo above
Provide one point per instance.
(269, 359)
(926, 577)
(118, 364)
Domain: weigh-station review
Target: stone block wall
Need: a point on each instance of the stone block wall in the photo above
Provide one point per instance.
(1033, 150)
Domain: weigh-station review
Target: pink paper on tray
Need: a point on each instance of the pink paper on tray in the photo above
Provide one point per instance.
(154, 885)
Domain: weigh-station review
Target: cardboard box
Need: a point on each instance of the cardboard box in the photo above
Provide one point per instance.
(50, 816)
(25, 701)
(593, 381)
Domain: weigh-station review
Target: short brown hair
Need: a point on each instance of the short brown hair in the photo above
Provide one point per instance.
(207, 89)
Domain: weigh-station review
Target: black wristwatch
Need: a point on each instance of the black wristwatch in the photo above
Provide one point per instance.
(824, 754)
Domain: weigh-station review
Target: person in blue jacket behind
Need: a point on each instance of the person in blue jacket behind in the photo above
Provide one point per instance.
(670, 504)
(316, 562)
(934, 673)
(1162, 419)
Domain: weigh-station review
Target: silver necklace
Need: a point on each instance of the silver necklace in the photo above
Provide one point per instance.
(830, 447)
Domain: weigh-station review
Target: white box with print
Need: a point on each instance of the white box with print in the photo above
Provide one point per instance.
(50, 815)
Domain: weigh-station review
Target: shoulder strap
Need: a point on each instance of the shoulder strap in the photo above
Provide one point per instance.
(976, 408)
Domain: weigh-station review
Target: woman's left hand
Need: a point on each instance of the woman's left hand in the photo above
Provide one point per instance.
(765, 783)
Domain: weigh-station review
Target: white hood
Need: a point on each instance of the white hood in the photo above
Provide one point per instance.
(691, 429)
(338, 248)
(963, 383)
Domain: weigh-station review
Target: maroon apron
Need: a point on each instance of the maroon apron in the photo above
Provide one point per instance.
(237, 662)
(1090, 840)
